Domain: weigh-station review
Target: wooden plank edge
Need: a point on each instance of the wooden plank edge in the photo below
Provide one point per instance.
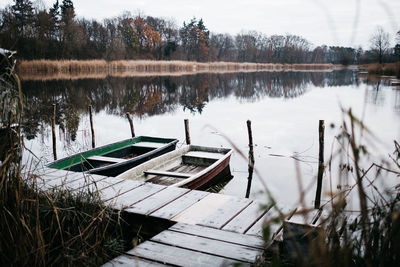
(165, 204)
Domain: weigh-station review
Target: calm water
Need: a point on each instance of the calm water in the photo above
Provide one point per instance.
(284, 109)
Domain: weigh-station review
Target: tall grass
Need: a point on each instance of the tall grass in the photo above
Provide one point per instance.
(75, 69)
(46, 228)
(369, 236)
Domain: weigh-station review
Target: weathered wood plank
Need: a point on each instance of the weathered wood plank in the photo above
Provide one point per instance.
(185, 168)
(96, 185)
(180, 204)
(221, 235)
(214, 210)
(149, 144)
(106, 159)
(86, 180)
(62, 180)
(204, 154)
(49, 173)
(256, 229)
(305, 216)
(158, 200)
(226, 213)
(177, 256)
(127, 199)
(110, 190)
(165, 173)
(131, 261)
(209, 246)
(247, 218)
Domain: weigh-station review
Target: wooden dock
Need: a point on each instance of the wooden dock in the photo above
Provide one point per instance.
(211, 228)
(193, 245)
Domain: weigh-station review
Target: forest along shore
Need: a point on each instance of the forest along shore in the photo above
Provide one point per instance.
(78, 69)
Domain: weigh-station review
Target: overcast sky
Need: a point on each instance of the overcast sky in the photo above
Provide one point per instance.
(331, 22)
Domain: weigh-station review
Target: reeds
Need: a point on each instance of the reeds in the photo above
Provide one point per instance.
(369, 236)
(46, 228)
(77, 69)
(389, 69)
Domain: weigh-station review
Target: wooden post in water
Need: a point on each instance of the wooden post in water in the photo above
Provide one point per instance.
(131, 124)
(251, 159)
(251, 150)
(187, 133)
(91, 126)
(321, 167)
(53, 131)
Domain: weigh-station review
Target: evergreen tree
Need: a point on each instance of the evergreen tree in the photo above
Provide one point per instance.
(55, 18)
(67, 10)
(195, 40)
(55, 10)
(23, 12)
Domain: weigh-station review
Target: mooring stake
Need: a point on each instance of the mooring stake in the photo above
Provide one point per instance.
(321, 167)
(187, 134)
(251, 159)
(131, 124)
(91, 126)
(53, 131)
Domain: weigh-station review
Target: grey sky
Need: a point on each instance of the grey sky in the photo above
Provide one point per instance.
(330, 22)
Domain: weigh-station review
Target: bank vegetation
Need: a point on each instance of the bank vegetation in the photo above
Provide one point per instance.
(71, 69)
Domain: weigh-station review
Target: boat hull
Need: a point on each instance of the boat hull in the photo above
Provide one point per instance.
(190, 167)
(85, 162)
(210, 175)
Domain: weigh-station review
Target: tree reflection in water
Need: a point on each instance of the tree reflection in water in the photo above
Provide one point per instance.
(148, 96)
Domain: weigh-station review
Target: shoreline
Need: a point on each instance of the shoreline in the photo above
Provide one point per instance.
(97, 69)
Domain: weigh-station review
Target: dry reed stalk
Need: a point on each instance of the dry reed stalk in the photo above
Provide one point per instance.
(100, 68)
(47, 228)
(392, 69)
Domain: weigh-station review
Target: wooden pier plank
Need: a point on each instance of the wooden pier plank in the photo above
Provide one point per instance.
(158, 200)
(131, 261)
(127, 199)
(256, 229)
(247, 218)
(212, 233)
(111, 191)
(177, 256)
(179, 205)
(61, 180)
(209, 246)
(86, 180)
(48, 173)
(215, 210)
(108, 188)
(226, 213)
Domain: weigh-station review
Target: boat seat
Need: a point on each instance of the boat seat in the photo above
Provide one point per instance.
(204, 154)
(166, 173)
(149, 144)
(198, 159)
(106, 159)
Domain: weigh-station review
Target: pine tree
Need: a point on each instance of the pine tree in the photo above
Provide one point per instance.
(67, 10)
(55, 10)
(55, 18)
(23, 12)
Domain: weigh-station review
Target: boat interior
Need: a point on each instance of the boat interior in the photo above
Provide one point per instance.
(176, 167)
(118, 156)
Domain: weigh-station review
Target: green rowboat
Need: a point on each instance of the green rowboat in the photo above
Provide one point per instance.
(116, 158)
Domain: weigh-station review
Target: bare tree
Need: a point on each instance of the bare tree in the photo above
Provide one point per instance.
(380, 43)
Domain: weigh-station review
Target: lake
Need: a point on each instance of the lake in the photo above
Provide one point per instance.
(284, 108)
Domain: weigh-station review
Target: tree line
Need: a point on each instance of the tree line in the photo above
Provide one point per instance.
(56, 33)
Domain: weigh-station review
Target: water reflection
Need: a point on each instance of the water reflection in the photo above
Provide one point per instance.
(284, 107)
(148, 96)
